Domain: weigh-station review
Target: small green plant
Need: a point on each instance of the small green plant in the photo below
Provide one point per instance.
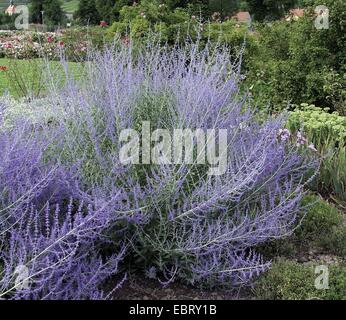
(25, 79)
(321, 126)
(321, 229)
(289, 280)
(328, 133)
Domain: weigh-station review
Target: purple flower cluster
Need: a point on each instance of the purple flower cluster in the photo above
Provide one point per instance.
(52, 244)
(285, 134)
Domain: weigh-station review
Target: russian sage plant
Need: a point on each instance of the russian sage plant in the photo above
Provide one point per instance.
(53, 235)
(188, 225)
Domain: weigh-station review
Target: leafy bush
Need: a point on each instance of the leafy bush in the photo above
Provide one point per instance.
(296, 62)
(178, 23)
(320, 222)
(6, 21)
(322, 127)
(323, 227)
(288, 280)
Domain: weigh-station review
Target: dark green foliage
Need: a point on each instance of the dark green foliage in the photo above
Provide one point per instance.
(7, 22)
(118, 5)
(224, 7)
(87, 12)
(269, 9)
(298, 63)
(320, 224)
(106, 9)
(52, 12)
(36, 8)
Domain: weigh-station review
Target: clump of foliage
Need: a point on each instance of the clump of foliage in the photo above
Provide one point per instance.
(52, 10)
(270, 9)
(87, 13)
(137, 20)
(321, 126)
(322, 225)
(6, 21)
(288, 280)
(296, 62)
(172, 24)
(327, 131)
(322, 229)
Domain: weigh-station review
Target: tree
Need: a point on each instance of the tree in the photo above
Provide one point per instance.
(52, 12)
(269, 9)
(87, 12)
(225, 7)
(118, 5)
(36, 11)
(106, 9)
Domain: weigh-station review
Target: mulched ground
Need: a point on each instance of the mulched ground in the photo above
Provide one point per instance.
(140, 288)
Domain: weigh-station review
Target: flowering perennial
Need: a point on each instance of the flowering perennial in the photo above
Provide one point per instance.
(73, 211)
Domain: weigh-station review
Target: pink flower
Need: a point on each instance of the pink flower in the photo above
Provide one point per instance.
(8, 46)
(300, 139)
(284, 134)
(50, 39)
(126, 41)
(103, 24)
(312, 147)
(61, 43)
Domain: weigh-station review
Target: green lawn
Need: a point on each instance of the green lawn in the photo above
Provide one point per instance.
(70, 6)
(27, 75)
(3, 76)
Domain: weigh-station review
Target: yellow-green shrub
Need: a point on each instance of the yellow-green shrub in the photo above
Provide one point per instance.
(328, 132)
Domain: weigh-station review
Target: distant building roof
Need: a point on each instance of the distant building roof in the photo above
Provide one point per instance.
(295, 14)
(11, 9)
(243, 16)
